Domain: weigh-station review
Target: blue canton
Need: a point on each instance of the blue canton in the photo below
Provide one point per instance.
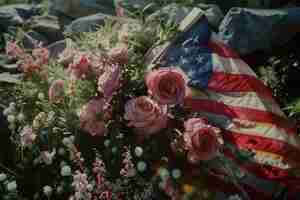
(192, 54)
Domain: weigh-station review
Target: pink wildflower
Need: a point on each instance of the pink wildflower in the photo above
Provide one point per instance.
(13, 51)
(109, 81)
(27, 136)
(41, 55)
(128, 170)
(80, 67)
(56, 91)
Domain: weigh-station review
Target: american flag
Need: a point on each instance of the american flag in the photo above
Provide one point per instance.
(226, 90)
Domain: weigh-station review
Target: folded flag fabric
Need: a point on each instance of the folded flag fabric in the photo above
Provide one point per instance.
(227, 92)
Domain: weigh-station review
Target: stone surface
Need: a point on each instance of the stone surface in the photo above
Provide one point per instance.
(9, 78)
(87, 24)
(249, 30)
(48, 26)
(56, 48)
(32, 38)
(176, 13)
(80, 8)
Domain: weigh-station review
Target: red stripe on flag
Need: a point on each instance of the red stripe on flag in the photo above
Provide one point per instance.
(223, 82)
(260, 143)
(267, 172)
(201, 105)
(222, 50)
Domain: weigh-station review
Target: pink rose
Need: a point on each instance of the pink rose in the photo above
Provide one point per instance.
(109, 81)
(27, 136)
(167, 85)
(13, 51)
(93, 116)
(146, 115)
(29, 66)
(56, 91)
(80, 67)
(202, 141)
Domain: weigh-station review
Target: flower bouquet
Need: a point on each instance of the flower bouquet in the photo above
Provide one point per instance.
(95, 124)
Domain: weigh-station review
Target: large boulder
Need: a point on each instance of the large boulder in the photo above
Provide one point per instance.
(87, 24)
(31, 39)
(16, 14)
(80, 8)
(249, 30)
(48, 26)
(57, 48)
(175, 13)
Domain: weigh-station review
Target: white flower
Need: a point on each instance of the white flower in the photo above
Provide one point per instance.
(59, 189)
(234, 197)
(12, 105)
(7, 111)
(11, 119)
(61, 151)
(66, 171)
(106, 143)
(3, 177)
(21, 117)
(114, 150)
(11, 186)
(176, 173)
(164, 173)
(67, 141)
(138, 151)
(141, 166)
(41, 96)
(47, 190)
(48, 157)
(90, 187)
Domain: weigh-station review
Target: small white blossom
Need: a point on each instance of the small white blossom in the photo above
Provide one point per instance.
(41, 96)
(235, 197)
(11, 186)
(48, 157)
(11, 119)
(47, 190)
(141, 166)
(12, 105)
(7, 111)
(3, 177)
(176, 173)
(21, 117)
(106, 143)
(61, 152)
(164, 173)
(90, 187)
(59, 190)
(66, 171)
(138, 151)
(114, 150)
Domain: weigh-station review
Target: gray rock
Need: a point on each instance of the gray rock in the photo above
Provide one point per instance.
(9, 78)
(11, 68)
(32, 38)
(171, 13)
(175, 13)
(48, 26)
(213, 14)
(16, 14)
(56, 48)
(249, 30)
(87, 24)
(81, 8)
